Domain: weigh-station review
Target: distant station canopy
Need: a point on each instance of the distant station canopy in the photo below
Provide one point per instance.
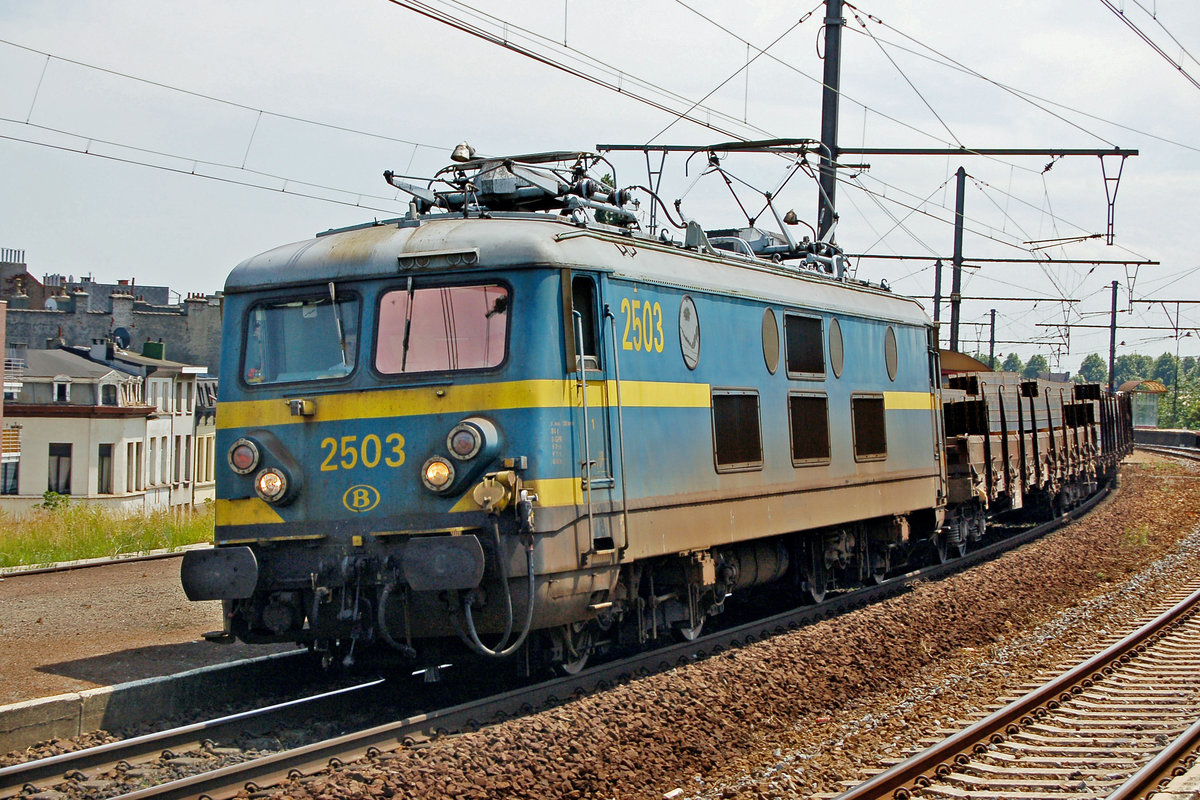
(961, 362)
(1145, 401)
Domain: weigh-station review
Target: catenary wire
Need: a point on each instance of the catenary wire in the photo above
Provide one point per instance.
(214, 99)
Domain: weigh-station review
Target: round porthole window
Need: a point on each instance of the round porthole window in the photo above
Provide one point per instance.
(837, 355)
(890, 356)
(770, 337)
(689, 332)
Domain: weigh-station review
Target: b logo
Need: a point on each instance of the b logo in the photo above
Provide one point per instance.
(361, 497)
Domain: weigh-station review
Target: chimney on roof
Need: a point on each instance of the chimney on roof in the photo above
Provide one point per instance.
(102, 350)
(154, 350)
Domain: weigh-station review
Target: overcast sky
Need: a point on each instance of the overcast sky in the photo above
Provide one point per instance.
(293, 110)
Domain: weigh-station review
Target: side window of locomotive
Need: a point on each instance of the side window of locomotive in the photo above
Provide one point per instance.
(870, 428)
(583, 301)
(306, 339)
(441, 329)
(891, 355)
(805, 346)
(809, 421)
(737, 436)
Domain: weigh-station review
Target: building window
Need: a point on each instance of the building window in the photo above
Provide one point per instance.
(108, 394)
(809, 419)
(737, 439)
(104, 469)
(8, 477)
(130, 467)
(62, 392)
(153, 466)
(60, 468)
(870, 430)
(805, 346)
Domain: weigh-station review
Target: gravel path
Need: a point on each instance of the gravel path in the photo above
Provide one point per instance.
(82, 628)
(800, 713)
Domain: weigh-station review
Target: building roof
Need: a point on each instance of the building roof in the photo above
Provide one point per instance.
(52, 363)
(1145, 387)
(130, 357)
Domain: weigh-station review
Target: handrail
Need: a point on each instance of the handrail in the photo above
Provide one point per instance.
(612, 331)
(581, 367)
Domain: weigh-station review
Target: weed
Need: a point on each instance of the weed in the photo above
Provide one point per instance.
(65, 531)
(1138, 536)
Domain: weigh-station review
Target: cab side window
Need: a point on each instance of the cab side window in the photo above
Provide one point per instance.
(583, 303)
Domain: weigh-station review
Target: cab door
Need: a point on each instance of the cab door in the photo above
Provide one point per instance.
(588, 365)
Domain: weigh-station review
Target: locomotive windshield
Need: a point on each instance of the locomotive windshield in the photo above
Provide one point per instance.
(305, 339)
(442, 329)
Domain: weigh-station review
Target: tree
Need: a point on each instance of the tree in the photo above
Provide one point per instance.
(1187, 368)
(1037, 365)
(991, 361)
(1165, 369)
(1132, 367)
(1093, 369)
(1012, 363)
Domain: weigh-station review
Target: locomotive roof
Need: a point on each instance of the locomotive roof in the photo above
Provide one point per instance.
(451, 243)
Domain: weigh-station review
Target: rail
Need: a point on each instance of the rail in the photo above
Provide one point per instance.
(14, 778)
(928, 766)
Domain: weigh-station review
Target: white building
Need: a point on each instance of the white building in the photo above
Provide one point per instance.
(108, 426)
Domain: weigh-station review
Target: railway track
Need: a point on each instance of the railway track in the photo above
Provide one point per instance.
(1189, 453)
(254, 774)
(81, 766)
(1119, 725)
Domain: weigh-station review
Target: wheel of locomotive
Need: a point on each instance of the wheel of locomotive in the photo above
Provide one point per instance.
(575, 642)
(816, 577)
(941, 547)
(877, 567)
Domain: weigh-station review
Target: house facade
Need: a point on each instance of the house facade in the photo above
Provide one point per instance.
(108, 426)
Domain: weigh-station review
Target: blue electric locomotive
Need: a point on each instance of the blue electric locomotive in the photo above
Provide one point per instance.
(487, 429)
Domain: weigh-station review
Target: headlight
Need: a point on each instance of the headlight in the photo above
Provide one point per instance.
(243, 456)
(464, 441)
(437, 474)
(271, 485)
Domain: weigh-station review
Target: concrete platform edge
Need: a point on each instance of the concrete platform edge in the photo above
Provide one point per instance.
(143, 701)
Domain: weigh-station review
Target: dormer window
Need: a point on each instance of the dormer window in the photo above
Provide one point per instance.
(62, 389)
(108, 394)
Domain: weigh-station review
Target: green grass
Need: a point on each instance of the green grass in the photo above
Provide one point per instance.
(1138, 535)
(73, 531)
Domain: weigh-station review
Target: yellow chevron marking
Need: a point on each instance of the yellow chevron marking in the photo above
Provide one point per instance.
(557, 491)
(462, 399)
(908, 401)
(248, 511)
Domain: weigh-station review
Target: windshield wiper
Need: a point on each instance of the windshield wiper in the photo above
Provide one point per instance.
(337, 319)
(407, 323)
